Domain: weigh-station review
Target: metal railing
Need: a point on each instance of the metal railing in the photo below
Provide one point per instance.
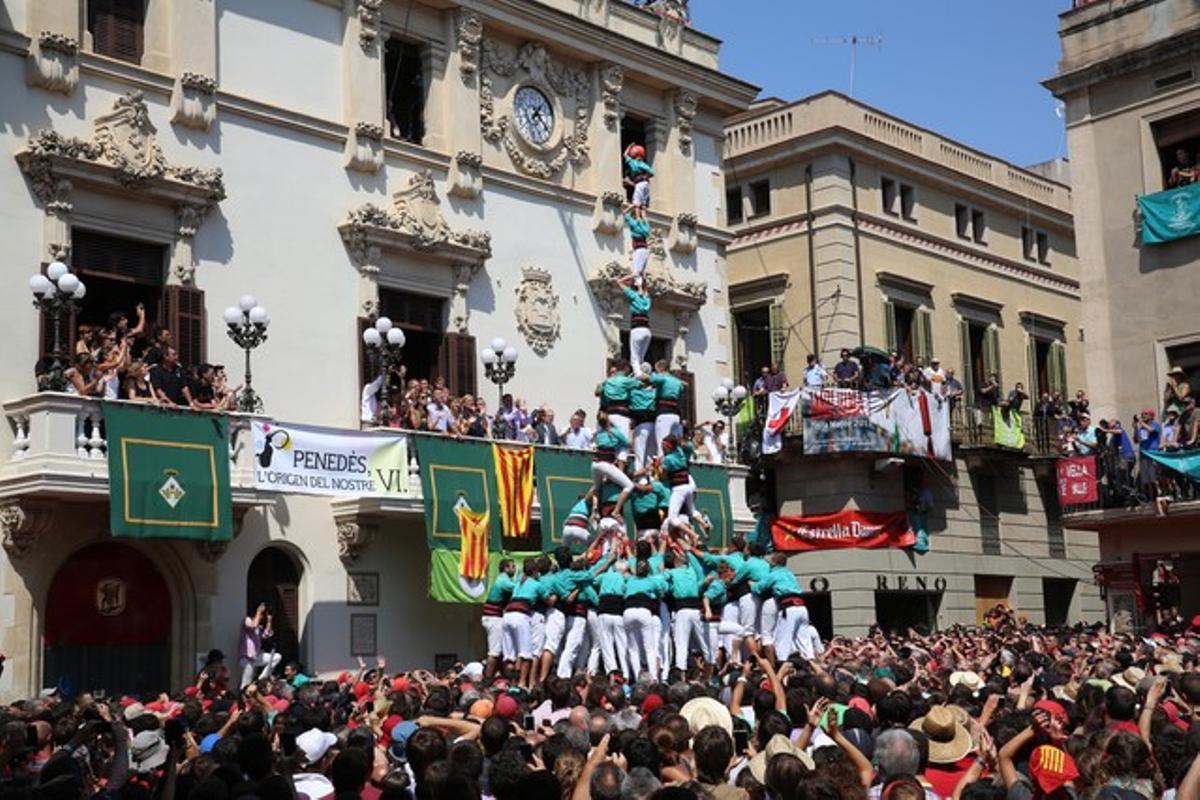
(1122, 483)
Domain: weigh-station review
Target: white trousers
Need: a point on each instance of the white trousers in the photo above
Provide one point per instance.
(605, 471)
(641, 257)
(683, 498)
(574, 650)
(721, 634)
(639, 345)
(537, 632)
(748, 606)
(576, 534)
(614, 645)
(264, 665)
(643, 444)
(494, 628)
(552, 638)
(664, 640)
(687, 626)
(642, 631)
(768, 619)
(593, 646)
(518, 635)
(641, 194)
(793, 623)
(666, 425)
(623, 424)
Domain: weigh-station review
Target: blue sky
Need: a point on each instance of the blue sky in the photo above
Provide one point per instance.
(968, 69)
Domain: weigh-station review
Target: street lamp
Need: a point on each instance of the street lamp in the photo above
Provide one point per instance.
(247, 326)
(728, 400)
(57, 293)
(384, 342)
(499, 364)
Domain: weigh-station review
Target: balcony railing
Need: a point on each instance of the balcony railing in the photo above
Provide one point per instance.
(1119, 487)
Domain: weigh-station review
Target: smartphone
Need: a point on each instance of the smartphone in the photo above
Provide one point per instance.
(741, 740)
(527, 723)
(527, 751)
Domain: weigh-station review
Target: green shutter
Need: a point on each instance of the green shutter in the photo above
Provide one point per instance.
(1032, 388)
(1058, 368)
(991, 353)
(967, 378)
(889, 324)
(778, 324)
(735, 355)
(923, 334)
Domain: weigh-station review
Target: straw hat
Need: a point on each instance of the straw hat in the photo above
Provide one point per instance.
(1130, 678)
(778, 744)
(702, 712)
(949, 739)
(967, 678)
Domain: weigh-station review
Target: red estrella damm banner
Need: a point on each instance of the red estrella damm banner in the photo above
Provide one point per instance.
(865, 529)
(1077, 480)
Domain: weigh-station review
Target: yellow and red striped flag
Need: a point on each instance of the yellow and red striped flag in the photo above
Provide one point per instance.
(473, 555)
(514, 485)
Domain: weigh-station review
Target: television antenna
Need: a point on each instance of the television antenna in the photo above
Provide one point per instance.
(853, 42)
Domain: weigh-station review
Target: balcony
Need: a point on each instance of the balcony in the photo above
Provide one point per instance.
(1120, 500)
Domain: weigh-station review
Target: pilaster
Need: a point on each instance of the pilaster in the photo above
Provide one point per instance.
(362, 84)
(605, 132)
(193, 61)
(835, 273)
(53, 61)
(456, 112)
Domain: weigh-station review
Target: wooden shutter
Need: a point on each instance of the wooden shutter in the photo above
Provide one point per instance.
(889, 324)
(1057, 370)
(457, 359)
(687, 414)
(923, 333)
(1032, 388)
(991, 353)
(967, 378)
(777, 321)
(118, 259)
(183, 309)
(117, 28)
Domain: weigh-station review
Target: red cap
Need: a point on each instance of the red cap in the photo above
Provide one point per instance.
(650, 703)
(157, 707)
(1172, 712)
(206, 704)
(401, 684)
(127, 701)
(1051, 768)
(507, 707)
(1149, 412)
(191, 691)
(1053, 709)
(1196, 622)
(361, 690)
(637, 151)
(389, 725)
(343, 678)
(1127, 726)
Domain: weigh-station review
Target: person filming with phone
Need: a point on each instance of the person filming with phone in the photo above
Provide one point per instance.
(255, 630)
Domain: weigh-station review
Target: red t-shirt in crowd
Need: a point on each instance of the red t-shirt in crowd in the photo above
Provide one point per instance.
(944, 777)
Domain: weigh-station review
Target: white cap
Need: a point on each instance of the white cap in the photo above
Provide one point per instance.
(315, 743)
(474, 671)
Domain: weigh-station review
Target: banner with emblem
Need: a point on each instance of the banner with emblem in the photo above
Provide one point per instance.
(168, 473)
(1170, 215)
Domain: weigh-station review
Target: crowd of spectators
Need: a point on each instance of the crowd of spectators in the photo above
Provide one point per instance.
(138, 362)
(1004, 711)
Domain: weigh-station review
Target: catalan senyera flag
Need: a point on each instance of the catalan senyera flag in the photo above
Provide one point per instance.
(473, 557)
(514, 487)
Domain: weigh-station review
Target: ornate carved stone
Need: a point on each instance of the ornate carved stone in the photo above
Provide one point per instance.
(21, 525)
(127, 138)
(193, 101)
(53, 63)
(686, 105)
(606, 216)
(609, 299)
(668, 289)
(460, 312)
(683, 318)
(532, 64)
(672, 17)
(470, 34)
(370, 307)
(682, 239)
(188, 217)
(538, 319)
(466, 175)
(594, 10)
(368, 13)
(352, 537)
(364, 148)
(612, 79)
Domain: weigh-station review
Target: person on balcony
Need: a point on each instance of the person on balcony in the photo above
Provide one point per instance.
(935, 377)
(1086, 436)
(83, 378)
(815, 375)
(846, 371)
(1177, 390)
(169, 381)
(1184, 172)
(577, 435)
(953, 389)
(1148, 434)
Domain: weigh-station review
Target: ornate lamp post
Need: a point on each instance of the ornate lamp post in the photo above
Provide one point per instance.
(384, 342)
(247, 327)
(728, 400)
(499, 364)
(57, 293)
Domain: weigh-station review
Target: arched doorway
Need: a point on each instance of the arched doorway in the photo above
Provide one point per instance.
(108, 623)
(274, 579)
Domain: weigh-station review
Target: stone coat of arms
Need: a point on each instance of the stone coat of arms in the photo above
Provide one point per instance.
(538, 318)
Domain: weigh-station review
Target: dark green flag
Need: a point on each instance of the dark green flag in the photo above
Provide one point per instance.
(562, 476)
(712, 497)
(168, 473)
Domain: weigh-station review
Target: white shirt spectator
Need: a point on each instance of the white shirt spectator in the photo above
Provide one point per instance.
(577, 438)
(936, 377)
(440, 417)
(369, 407)
(815, 376)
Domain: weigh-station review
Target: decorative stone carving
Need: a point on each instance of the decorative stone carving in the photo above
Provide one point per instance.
(460, 312)
(53, 63)
(193, 101)
(415, 222)
(682, 239)
(594, 10)
(21, 525)
(683, 318)
(188, 217)
(612, 79)
(370, 307)
(352, 537)
(666, 287)
(470, 34)
(466, 176)
(537, 310)
(126, 137)
(672, 17)
(533, 60)
(369, 13)
(606, 216)
(686, 105)
(364, 148)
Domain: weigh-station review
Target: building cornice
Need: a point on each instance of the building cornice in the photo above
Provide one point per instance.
(1183, 44)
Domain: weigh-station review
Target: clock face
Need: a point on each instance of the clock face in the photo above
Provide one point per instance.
(534, 115)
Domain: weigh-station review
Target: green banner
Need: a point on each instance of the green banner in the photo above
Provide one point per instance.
(1007, 430)
(168, 473)
(1170, 215)
(447, 585)
(562, 476)
(712, 497)
(455, 472)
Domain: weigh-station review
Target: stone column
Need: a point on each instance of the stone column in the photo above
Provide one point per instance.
(53, 28)
(362, 85)
(834, 270)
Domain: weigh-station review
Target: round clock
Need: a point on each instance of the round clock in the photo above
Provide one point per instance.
(534, 115)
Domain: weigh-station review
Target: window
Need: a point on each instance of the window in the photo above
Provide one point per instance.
(752, 329)
(908, 202)
(979, 346)
(1027, 243)
(1047, 367)
(1043, 247)
(970, 223)
(404, 82)
(908, 330)
(760, 198)
(962, 221)
(1177, 141)
(987, 500)
(733, 206)
(978, 226)
(635, 130)
(117, 28)
(1035, 245)
(429, 352)
(1187, 358)
(890, 194)
(660, 348)
(899, 199)
(991, 591)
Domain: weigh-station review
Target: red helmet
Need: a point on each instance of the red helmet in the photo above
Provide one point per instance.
(637, 151)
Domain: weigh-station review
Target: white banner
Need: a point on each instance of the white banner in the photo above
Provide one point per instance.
(781, 407)
(301, 459)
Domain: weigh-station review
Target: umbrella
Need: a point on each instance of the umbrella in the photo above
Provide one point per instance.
(867, 351)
